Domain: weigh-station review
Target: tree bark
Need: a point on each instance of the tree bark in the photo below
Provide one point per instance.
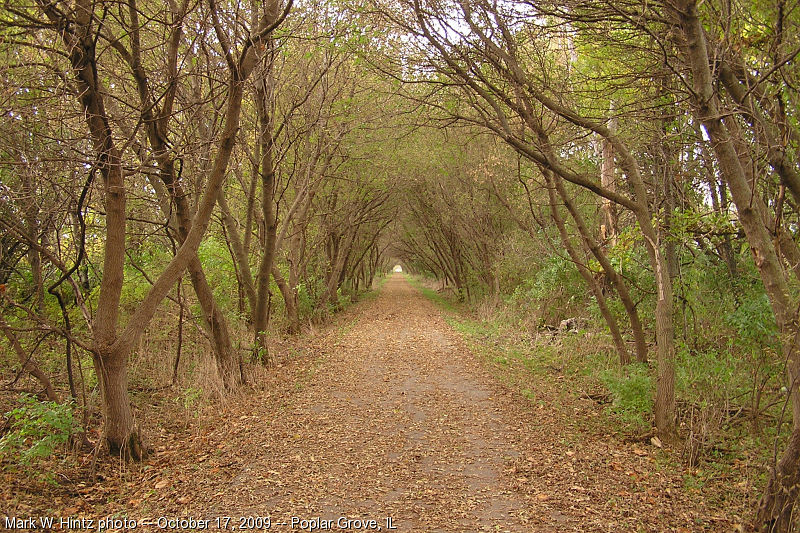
(597, 291)
(289, 300)
(214, 320)
(608, 209)
(264, 97)
(120, 430)
(776, 507)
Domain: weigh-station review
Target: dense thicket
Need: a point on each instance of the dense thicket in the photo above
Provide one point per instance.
(635, 164)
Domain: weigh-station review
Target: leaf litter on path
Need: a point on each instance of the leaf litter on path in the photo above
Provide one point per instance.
(391, 416)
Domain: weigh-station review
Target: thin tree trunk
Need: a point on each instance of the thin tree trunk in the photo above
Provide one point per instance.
(608, 228)
(28, 363)
(179, 349)
(226, 358)
(289, 300)
(34, 257)
(338, 264)
(597, 291)
(264, 95)
(640, 342)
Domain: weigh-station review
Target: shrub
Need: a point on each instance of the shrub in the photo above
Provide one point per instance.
(632, 392)
(553, 293)
(37, 430)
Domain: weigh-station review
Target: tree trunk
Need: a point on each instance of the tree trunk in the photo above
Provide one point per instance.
(240, 254)
(156, 123)
(338, 264)
(227, 360)
(719, 202)
(775, 509)
(120, 431)
(264, 96)
(34, 257)
(608, 228)
(111, 349)
(665, 339)
(289, 300)
(597, 291)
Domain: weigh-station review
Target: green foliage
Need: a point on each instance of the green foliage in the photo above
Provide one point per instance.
(305, 302)
(191, 398)
(260, 352)
(37, 430)
(706, 375)
(219, 269)
(148, 257)
(754, 322)
(632, 391)
(556, 288)
(622, 255)
(686, 223)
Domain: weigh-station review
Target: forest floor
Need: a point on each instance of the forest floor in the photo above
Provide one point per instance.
(385, 414)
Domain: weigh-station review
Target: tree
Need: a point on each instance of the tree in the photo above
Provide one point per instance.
(79, 31)
(775, 509)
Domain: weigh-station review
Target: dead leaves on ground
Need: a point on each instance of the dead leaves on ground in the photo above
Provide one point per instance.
(388, 414)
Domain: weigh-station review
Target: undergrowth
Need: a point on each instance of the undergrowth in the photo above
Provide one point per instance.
(37, 430)
(723, 432)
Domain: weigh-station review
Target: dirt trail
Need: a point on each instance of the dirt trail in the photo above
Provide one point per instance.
(396, 422)
(398, 419)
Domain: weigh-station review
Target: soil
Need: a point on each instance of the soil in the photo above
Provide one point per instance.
(386, 415)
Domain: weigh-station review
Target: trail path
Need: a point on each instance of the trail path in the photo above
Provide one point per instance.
(398, 419)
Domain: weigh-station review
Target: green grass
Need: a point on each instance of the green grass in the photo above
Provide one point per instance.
(632, 391)
(568, 366)
(443, 303)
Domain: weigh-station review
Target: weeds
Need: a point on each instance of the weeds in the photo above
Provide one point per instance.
(37, 430)
(725, 409)
(632, 391)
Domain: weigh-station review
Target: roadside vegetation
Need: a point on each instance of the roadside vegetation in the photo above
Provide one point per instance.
(723, 446)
